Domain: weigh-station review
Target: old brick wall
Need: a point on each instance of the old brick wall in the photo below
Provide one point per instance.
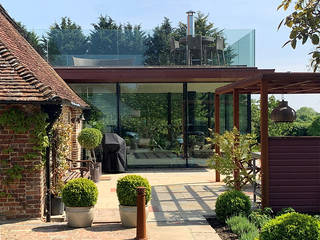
(26, 196)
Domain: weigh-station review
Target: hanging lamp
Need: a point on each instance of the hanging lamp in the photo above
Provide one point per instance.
(283, 113)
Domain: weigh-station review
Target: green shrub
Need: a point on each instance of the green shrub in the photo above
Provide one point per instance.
(285, 210)
(242, 227)
(90, 138)
(126, 189)
(232, 203)
(80, 192)
(293, 226)
(260, 217)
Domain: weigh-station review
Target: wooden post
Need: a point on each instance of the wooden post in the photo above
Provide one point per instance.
(217, 126)
(141, 214)
(264, 143)
(236, 124)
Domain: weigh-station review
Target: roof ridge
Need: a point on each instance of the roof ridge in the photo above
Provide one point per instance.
(25, 73)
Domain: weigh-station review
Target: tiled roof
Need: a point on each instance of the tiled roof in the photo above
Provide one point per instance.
(24, 75)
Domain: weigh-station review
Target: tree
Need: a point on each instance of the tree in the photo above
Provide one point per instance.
(275, 129)
(304, 23)
(158, 44)
(108, 37)
(65, 38)
(314, 128)
(32, 38)
(306, 114)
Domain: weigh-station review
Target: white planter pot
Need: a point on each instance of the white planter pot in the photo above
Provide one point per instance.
(80, 216)
(128, 215)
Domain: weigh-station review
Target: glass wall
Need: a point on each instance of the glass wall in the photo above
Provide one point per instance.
(139, 47)
(151, 123)
(164, 124)
(103, 101)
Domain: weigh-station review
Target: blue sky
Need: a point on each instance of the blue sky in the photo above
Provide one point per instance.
(261, 15)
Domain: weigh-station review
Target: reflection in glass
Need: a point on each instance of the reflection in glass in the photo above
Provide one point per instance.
(151, 123)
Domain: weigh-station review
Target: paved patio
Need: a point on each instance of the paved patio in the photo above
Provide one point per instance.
(180, 199)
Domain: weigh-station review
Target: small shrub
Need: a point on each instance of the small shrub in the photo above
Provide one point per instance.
(232, 203)
(90, 138)
(259, 217)
(80, 192)
(242, 227)
(293, 226)
(126, 189)
(285, 210)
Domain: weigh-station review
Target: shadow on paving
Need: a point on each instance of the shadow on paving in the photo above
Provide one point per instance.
(94, 228)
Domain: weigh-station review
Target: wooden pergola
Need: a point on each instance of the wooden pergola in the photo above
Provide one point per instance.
(264, 84)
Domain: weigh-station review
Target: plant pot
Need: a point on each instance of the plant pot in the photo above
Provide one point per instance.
(95, 171)
(128, 215)
(80, 216)
(57, 206)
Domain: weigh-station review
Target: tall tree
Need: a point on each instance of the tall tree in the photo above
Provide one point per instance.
(108, 37)
(65, 38)
(304, 23)
(104, 38)
(158, 45)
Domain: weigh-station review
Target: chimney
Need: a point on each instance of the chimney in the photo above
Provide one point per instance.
(190, 23)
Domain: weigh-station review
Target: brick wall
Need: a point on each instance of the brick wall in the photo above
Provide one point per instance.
(70, 115)
(27, 194)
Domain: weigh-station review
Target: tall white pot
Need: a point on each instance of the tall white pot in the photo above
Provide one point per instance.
(80, 216)
(128, 215)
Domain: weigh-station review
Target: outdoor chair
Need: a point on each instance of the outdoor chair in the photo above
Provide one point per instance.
(77, 169)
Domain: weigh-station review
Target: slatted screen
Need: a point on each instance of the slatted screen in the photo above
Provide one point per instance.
(294, 168)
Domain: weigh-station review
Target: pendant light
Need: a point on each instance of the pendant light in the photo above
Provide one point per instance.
(283, 113)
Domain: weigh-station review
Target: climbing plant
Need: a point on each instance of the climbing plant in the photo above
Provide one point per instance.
(61, 150)
(20, 122)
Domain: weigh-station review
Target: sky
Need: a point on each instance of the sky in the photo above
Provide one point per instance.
(261, 15)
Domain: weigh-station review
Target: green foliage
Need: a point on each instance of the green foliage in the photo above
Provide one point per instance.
(90, 138)
(304, 23)
(306, 114)
(242, 227)
(65, 38)
(232, 203)
(260, 217)
(108, 37)
(80, 192)
(20, 122)
(285, 210)
(126, 189)
(236, 154)
(314, 128)
(158, 44)
(293, 226)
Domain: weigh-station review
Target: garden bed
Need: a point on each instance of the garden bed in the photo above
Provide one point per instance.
(221, 229)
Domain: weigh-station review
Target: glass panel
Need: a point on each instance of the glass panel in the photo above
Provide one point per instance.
(151, 123)
(103, 101)
(200, 119)
(133, 46)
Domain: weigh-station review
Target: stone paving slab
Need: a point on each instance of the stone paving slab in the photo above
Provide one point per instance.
(180, 200)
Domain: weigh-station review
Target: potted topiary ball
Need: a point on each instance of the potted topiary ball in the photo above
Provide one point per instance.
(89, 139)
(80, 195)
(127, 196)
